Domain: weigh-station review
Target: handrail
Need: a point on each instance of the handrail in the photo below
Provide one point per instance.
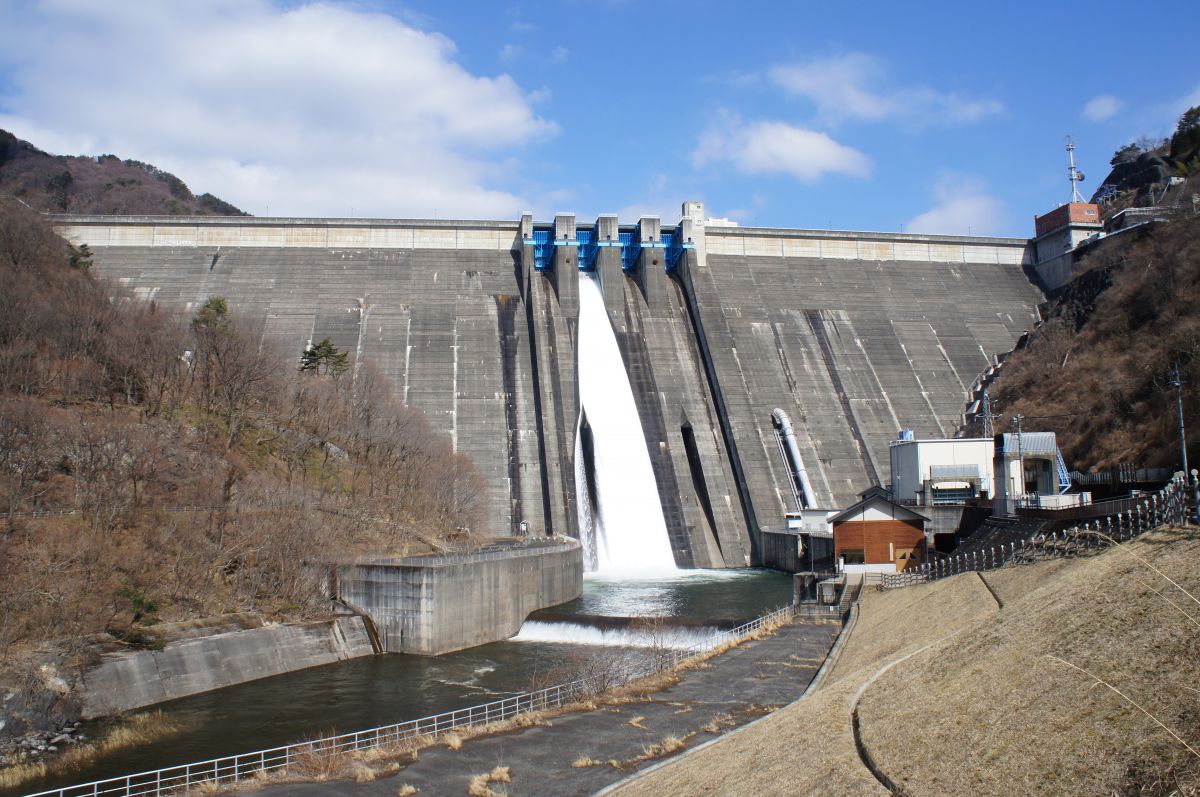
(227, 770)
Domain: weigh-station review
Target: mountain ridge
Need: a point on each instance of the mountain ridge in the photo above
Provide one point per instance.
(103, 184)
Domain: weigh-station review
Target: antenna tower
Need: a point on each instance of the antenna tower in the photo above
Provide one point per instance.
(1073, 174)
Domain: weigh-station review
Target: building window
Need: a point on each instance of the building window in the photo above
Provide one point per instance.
(854, 556)
(943, 496)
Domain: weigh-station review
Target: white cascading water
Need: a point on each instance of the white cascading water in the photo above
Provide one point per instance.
(583, 506)
(580, 634)
(627, 527)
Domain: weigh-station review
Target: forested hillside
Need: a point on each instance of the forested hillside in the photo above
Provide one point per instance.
(1098, 370)
(104, 184)
(162, 467)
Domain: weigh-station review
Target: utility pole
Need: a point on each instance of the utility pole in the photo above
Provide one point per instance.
(988, 430)
(1177, 383)
(1020, 456)
(1190, 476)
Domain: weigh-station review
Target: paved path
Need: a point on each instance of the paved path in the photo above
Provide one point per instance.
(738, 686)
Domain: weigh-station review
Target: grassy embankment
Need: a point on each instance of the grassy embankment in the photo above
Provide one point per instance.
(1063, 677)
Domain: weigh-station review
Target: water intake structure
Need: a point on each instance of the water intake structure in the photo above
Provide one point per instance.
(620, 515)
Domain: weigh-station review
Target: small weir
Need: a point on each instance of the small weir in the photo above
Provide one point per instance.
(648, 635)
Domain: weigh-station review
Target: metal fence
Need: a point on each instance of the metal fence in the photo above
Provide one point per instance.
(1039, 508)
(230, 769)
(1123, 473)
(1136, 516)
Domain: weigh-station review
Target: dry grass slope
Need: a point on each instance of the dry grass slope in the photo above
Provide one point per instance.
(977, 700)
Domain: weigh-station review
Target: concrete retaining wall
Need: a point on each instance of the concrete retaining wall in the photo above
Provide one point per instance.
(125, 681)
(446, 606)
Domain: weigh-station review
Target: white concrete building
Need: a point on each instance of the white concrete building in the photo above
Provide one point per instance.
(941, 470)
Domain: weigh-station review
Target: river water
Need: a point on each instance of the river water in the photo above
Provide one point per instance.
(380, 690)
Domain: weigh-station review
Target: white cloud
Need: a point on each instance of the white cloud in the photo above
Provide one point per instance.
(771, 147)
(853, 86)
(510, 52)
(1099, 108)
(312, 109)
(965, 208)
(559, 54)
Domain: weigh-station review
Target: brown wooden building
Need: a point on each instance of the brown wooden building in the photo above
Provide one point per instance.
(878, 535)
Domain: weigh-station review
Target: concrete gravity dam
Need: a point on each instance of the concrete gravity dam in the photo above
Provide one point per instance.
(853, 335)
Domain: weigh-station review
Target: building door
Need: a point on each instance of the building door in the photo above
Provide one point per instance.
(906, 558)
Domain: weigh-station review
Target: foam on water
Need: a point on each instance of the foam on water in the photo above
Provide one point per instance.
(627, 530)
(627, 637)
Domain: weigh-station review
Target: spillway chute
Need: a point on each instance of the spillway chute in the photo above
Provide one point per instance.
(624, 512)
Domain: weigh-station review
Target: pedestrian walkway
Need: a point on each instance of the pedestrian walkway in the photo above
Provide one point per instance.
(735, 688)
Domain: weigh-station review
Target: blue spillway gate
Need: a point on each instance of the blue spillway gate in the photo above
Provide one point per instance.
(587, 248)
(630, 247)
(675, 245)
(629, 243)
(543, 250)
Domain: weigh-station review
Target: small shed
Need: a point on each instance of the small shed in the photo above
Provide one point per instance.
(878, 535)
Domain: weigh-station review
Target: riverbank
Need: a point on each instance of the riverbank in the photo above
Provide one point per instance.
(195, 657)
(424, 604)
(124, 681)
(375, 691)
(992, 685)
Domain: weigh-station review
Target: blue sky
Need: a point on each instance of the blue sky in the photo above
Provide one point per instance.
(944, 118)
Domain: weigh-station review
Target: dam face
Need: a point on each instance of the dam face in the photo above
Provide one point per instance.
(853, 335)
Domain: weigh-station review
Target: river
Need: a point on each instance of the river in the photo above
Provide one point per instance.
(380, 690)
